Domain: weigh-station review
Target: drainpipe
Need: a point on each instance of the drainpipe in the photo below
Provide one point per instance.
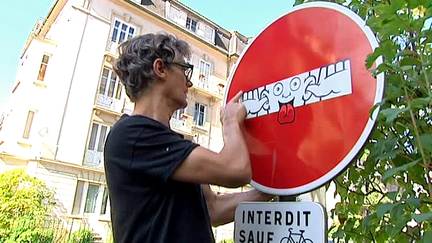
(211, 118)
(70, 87)
(167, 8)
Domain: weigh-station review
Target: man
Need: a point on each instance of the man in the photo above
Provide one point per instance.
(154, 176)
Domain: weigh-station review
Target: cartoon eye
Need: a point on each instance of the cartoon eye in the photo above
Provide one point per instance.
(277, 89)
(295, 84)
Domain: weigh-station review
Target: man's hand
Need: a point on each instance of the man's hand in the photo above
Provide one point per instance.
(222, 207)
(234, 111)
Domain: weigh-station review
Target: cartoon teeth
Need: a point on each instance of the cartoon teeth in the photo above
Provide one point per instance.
(283, 96)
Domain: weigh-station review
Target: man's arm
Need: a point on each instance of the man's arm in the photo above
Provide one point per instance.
(222, 207)
(229, 168)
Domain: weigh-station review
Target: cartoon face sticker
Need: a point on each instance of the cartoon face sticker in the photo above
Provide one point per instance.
(283, 96)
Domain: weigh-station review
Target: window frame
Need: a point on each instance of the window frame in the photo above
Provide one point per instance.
(196, 117)
(177, 113)
(205, 78)
(93, 204)
(118, 88)
(211, 39)
(81, 199)
(97, 143)
(43, 67)
(191, 24)
(119, 31)
(28, 124)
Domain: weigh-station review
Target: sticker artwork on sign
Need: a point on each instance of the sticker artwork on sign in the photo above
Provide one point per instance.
(283, 96)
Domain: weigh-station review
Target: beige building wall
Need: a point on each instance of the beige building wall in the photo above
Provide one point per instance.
(68, 103)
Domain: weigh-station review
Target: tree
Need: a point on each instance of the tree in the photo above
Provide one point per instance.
(24, 203)
(386, 194)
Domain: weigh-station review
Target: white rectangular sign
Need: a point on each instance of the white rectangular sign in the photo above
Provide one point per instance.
(280, 222)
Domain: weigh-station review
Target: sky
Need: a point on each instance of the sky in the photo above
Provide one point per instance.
(246, 16)
(16, 24)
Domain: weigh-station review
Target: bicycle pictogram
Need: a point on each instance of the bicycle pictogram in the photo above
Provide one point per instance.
(290, 239)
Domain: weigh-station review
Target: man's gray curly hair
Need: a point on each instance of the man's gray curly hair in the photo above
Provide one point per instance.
(134, 66)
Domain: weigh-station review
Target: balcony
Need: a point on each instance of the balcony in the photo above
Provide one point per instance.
(112, 48)
(210, 86)
(93, 158)
(110, 103)
(128, 107)
(182, 125)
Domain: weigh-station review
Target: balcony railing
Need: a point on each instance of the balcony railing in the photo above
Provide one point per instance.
(112, 48)
(184, 124)
(209, 84)
(110, 103)
(93, 158)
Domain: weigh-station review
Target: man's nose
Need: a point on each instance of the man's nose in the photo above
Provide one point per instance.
(189, 84)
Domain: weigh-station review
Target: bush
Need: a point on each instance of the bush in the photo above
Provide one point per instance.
(36, 236)
(227, 241)
(81, 236)
(24, 203)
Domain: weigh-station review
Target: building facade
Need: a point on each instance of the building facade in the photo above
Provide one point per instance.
(66, 96)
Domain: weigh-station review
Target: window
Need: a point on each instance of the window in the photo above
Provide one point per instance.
(110, 84)
(89, 199)
(208, 33)
(177, 114)
(27, 128)
(199, 114)
(92, 194)
(189, 60)
(43, 67)
(191, 24)
(174, 13)
(204, 70)
(97, 138)
(104, 201)
(122, 32)
(78, 198)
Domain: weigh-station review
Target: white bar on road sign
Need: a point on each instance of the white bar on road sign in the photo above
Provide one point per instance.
(324, 83)
(280, 222)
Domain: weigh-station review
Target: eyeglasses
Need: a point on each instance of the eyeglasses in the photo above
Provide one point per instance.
(188, 69)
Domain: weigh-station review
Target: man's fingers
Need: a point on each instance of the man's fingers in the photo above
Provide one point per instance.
(236, 98)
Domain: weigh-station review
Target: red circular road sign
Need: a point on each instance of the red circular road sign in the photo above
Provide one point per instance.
(308, 96)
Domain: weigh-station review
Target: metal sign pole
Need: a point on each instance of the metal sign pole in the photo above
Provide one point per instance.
(291, 198)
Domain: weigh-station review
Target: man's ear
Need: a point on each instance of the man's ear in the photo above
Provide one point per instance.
(159, 68)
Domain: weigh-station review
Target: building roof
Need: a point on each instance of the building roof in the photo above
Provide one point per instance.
(204, 17)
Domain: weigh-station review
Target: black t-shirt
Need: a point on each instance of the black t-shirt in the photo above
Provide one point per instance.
(141, 155)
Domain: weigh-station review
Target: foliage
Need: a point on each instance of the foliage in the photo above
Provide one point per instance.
(81, 236)
(227, 241)
(24, 202)
(386, 194)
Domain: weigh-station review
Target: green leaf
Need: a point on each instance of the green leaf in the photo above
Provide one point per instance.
(422, 217)
(416, 202)
(371, 111)
(409, 61)
(384, 208)
(366, 220)
(400, 224)
(339, 234)
(427, 237)
(391, 113)
(387, 49)
(393, 171)
(426, 141)
(420, 102)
